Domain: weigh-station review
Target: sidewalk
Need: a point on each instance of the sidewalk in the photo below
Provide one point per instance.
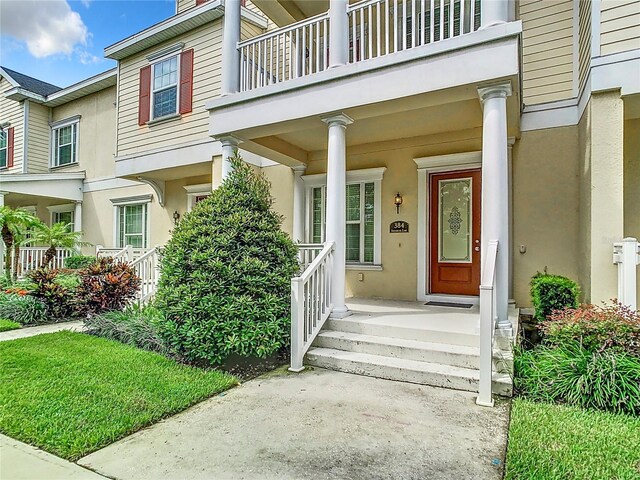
(20, 461)
(76, 326)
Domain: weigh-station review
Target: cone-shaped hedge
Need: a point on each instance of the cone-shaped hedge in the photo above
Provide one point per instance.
(226, 274)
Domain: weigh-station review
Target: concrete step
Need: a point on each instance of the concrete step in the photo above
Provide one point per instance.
(364, 326)
(446, 354)
(413, 371)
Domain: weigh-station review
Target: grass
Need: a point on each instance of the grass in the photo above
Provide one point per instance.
(71, 394)
(556, 442)
(6, 325)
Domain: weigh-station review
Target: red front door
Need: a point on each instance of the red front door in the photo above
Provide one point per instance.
(455, 233)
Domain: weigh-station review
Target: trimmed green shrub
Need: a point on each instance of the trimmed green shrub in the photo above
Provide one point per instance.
(7, 325)
(23, 309)
(105, 286)
(552, 292)
(607, 380)
(80, 261)
(137, 326)
(595, 328)
(226, 275)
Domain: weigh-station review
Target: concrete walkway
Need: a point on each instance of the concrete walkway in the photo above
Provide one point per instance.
(76, 326)
(318, 424)
(19, 461)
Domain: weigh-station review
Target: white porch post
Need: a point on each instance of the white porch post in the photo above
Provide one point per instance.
(77, 217)
(494, 12)
(336, 201)
(338, 33)
(495, 190)
(510, 142)
(230, 54)
(229, 147)
(2, 194)
(298, 204)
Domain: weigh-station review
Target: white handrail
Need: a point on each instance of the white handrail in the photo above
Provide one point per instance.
(487, 324)
(116, 253)
(626, 255)
(146, 268)
(311, 304)
(307, 252)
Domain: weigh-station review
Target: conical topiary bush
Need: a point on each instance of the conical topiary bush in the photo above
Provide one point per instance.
(226, 274)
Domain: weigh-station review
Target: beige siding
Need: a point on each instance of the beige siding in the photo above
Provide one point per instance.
(39, 137)
(619, 26)
(547, 45)
(134, 139)
(13, 112)
(96, 132)
(584, 41)
(185, 5)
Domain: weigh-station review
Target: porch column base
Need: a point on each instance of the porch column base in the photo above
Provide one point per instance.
(340, 313)
(295, 370)
(480, 403)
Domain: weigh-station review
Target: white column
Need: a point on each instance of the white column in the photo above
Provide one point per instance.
(336, 201)
(2, 194)
(230, 54)
(338, 33)
(495, 189)
(77, 217)
(298, 204)
(494, 12)
(229, 148)
(510, 142)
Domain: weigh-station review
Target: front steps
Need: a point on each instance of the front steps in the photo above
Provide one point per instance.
(415, 352)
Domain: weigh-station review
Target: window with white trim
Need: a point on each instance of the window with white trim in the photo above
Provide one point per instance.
(65, 144)
(132, 225)
(65, 217)
(164, 87)
(196, 194)
(3, 149)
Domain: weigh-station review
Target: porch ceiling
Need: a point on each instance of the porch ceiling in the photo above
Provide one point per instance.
(284, 12)
(67, 186)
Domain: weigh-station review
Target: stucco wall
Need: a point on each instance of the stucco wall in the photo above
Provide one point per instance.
(281, 179)
(546, 206)
(632, 182)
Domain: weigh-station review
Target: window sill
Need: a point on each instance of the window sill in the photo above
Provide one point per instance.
(59, 167)
(364, 267)
(166, 118)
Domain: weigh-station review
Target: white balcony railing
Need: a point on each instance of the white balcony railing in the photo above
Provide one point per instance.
(487, 324)
(31, 258)
(375, 28)
(311, 304)
(147, 268)
(626, 255)
(307, 253)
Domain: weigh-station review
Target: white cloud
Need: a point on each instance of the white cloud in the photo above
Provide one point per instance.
(86, 3)
(87, 58)
(48, 27)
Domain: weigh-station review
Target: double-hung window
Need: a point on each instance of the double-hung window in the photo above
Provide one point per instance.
(363, 214)
(3, 149)
(132, 225)
(165, 87)
(63, 217)
(64, 149)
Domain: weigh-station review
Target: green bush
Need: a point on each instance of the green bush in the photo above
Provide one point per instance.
(137, 326)
(226, 274)
(80, 261)
(552, 292)
(23, 309)
(106, 286)
(6, 325)
(605, 380)
(595, 328)
(57, 290)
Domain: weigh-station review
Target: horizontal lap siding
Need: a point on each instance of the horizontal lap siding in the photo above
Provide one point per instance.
(619, 26)
(12, 111)
(547, 41)
(185, 5)
(39, 137)
(134, 139)
(584, 41)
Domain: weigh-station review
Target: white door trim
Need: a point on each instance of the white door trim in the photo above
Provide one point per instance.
(427, 166)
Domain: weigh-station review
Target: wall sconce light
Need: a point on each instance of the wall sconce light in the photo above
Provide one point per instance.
(176, 217)
(397, 202)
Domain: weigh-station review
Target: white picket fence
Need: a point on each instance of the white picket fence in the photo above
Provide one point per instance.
(626, 255)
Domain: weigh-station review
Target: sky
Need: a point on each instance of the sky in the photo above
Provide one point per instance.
(62, 41)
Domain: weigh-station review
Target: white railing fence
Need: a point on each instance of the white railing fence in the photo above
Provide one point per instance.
(30, 258)
(307, 252)
(381, 27)
(311, 304)
(626, 255)
(294, 51)
(487, 324)
(147, 268)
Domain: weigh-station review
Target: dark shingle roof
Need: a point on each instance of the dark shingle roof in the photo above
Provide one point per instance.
(32, 84)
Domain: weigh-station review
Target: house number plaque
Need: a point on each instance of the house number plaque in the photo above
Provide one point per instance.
(399, 227)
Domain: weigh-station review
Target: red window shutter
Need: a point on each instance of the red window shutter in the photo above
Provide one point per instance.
(200, 2)
(144, 98)
(186, 81)
(10, 147)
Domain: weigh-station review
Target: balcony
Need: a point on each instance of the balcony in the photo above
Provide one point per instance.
(374, 29)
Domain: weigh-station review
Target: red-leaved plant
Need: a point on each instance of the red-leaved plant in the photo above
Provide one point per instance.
(597, 328)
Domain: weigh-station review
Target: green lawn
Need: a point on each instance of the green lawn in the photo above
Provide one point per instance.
(71, 393)
(6, 325)
(554, 442)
